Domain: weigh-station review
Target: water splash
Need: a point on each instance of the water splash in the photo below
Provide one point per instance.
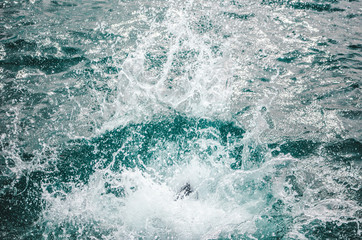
(109, 112)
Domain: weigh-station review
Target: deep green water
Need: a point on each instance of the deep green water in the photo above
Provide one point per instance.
(109, 109)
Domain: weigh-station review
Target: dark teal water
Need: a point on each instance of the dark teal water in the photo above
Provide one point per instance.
(180, 119)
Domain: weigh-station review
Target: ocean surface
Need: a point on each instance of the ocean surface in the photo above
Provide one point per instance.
(195, 119)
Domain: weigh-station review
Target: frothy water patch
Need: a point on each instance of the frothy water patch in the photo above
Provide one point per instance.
(126, 183)
(172, 69)
(143, 201)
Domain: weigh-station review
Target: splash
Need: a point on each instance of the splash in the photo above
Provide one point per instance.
(180, 120)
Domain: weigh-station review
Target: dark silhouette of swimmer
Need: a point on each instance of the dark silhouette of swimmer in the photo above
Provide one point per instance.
(185, 191)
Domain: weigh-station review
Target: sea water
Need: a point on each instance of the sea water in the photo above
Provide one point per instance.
(196, 119)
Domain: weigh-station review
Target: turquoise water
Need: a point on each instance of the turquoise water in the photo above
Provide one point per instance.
(180, 119)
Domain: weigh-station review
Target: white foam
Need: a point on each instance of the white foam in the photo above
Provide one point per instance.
(150, 206)
(198, 85)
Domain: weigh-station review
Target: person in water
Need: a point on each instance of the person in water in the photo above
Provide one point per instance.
(185, 191)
